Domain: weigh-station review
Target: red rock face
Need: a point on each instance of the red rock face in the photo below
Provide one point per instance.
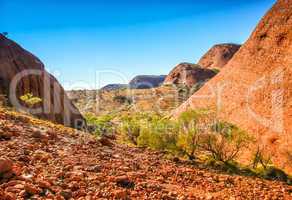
(219, 55)
(254, 90)
(189, 75)
(14, 63)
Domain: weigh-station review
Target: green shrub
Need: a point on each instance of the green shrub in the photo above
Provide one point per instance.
(131, 125)
(191, 125)
(102, 125)
(130, 129)
(159, 134)
(149, 130)
(30, 100)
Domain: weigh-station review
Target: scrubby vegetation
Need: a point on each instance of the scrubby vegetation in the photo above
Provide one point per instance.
(194, 132)
(225, 141)
(197, 135)
(100, 125)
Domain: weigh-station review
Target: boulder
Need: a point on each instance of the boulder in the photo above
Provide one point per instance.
(27, 73)
(5, 165)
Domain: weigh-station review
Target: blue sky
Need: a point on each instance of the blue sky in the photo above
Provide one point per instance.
(91, 43)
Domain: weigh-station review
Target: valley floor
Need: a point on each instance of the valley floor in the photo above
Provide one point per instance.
(39, 160)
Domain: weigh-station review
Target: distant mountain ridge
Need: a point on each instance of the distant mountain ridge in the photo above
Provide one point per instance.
(146, 81)
(114, 86)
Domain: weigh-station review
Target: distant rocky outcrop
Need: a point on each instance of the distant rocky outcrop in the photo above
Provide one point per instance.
(254, 90)
(29, 75)
(219, 55)
(146, 81)
(188, 74)
(110, 87)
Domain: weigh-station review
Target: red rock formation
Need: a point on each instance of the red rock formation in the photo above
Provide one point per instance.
(254, 90)
(219, 55)
(189, 75)
(15, 62)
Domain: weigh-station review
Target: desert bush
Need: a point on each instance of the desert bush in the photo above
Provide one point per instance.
(30, 100)
(149, 130)
(224, 142)
(131, 125)
(159, 134)
(192, 124)
(130, 129)
(102, 125)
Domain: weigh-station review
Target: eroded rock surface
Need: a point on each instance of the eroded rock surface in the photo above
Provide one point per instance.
(17, 63)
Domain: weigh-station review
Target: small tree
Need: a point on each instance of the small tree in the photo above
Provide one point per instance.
(30, 100)
(192, 125)
(130, 128)
(225, 142)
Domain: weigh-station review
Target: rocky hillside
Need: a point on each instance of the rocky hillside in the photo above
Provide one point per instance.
(189, 74)
(146, 81)
(17, 63)
(219, 55)
(40, 160)
(254, 89)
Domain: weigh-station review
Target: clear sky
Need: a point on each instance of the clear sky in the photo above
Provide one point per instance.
(79, 40)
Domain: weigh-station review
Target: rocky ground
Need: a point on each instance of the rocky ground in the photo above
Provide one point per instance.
(39, 160)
